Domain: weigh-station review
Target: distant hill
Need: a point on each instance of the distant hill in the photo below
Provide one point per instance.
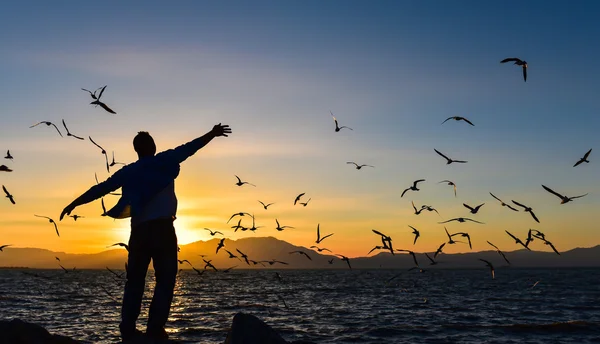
(254, 248)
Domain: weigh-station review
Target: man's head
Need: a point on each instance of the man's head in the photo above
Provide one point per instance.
(144, 145)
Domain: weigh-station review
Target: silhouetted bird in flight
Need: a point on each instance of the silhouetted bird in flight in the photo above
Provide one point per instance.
(48, 124)
(346, 259)
(502, 203)
(413, 187)
(8, 156)
(184, 261)
(209, 265)
(265, 205)
(458, 118)
(303, 253)
(319, 238)
(69, 133)
(244, 256)
(417, 212)
(97, 99)
(414, 256)
(450, 240)
(584, 159)
(221, 244)
(298, 198)
(546, 242)
(8, 195)
(358, 167)
(51, 221)
(416, 233)
(385, 240)
(490, 266)
(439, 250)
(305, 203)
(499, 252)
(448, 160)
(3, 247)
(280, 228)
(4, 168)
(464, 235)
(229, 269)
(113, 162)
(433, 262)
(93, 95)
(528, 210)
(240, 182)
(231, 255)
(124, 245)
(518, 62)
(473, 210)
(517, 240)
(429, 208)
(213, 233)
(75, 217)
(238, 226)
(451, 183)
(563, 199)
(103, 151)
(461, 220)
(320, 249)
(238, 214)
(338, 128)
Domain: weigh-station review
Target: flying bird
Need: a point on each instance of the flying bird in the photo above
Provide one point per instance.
(221, 244)
(503, 204)
(8, 156)
(209, 265)
(413, 187)
(517, 240)
(448, 160)
(244, 256)
(499, 252)
(213, 233)
(280, 228)
(563, 199)
(265, 205)
(97, 99)
(473, 210)
(518, 62)
(75, 217)
(69, 133)
(298, 198)
(417, 212)
(490, 266)
(238, 214)
(8, 195)
(346, 259)
(93, 95)
(528, 210)
(584, 159)
(239, 226)
(303, 253)
(319, 239)
(122, 245)
(338, 128)
(458, 118)
(439, 250)
(48, 124)
(231, 255)
(464, 235)
(305, 203)
(320, 249)
(240, 182)
(451, 183)
(4, 168)
(103, 151)
(184, 261)
(546, 242)
(51, 221)
(433, 262)
(414, 256)
(461, 220)
(416, 233)
(3, 247)
(113, 162)
(429, 208)
(358, 167)
(450, 240)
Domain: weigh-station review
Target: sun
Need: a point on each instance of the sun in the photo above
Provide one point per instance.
(185, 235)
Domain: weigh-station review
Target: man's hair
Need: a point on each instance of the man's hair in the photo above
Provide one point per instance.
(144, 144)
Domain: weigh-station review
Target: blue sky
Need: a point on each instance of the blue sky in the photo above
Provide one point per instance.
(392, 70)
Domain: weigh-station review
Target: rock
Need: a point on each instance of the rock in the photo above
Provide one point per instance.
(248, 329)
(19, 332)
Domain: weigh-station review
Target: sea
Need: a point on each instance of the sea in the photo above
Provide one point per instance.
(326, 306)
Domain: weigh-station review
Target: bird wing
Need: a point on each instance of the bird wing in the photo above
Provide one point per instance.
(56, 228)
(403, 192)
(553, 192)
(64, 125)
(106, 107)
(318, 232)
(578, 196)
(445, 157)
(579, 162)
(261, 203)
(325, 237)
(298, 197)
(91, 94)
(496, 198)
(467, 206)
(519, 204)
(97, 145)
(494, 246)
(351, 162)
(447, 119)
(446, 221)
(534, 217)
(55, 127)
(417, 181)
(466, 120)
(511, 59)
(525, 72)
(460, 161)
(378, 232)
(413, 205)
(101, 91)
(553, 248)
(428, 257)
(587, 154)
(510, 207)
(5, 191)
(439, 250)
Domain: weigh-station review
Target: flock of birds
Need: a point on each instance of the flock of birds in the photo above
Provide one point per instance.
(386, 240)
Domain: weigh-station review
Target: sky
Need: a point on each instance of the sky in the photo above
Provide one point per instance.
(273, 71)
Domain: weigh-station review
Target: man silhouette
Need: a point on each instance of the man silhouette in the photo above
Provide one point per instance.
(148, 197)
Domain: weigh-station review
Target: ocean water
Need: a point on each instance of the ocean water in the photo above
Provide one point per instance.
(327, 306)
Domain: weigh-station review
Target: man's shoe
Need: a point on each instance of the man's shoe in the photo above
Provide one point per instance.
(159, 334)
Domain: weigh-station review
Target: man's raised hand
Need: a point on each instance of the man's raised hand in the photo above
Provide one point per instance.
(221, 130)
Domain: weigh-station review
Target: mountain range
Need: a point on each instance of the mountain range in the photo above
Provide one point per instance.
(269, 248)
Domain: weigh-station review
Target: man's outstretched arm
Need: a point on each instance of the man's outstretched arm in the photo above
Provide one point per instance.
(184, 151)
(111, 184)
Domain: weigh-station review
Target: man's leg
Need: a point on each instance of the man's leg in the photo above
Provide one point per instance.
(137, 267)
(164, 259)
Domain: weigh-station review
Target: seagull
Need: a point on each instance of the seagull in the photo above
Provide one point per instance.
(503, 204)
(450, 240)
(517, 240)
(378, 248)
(256, 263)
(184, 261)
(564, 199)
(8, 195)
(273, 261)
(280, 228)
(69, 133)
(337, 128)
(413, 187)
(439, 250)
(113, 163)
(121, 244)
(3, 247)
(417, 212)
(238, 214)
(473, 210)
(97, 100)
(199, 272)
(330, 261)
(416, 233)
(52, 222)
(451, 183)
(546, 242)
(319, 239)
(448, 160)
(48, 124)
(461, 219)
(265, 205)
(5, 168)
(209, 265)
(321, 249)
(253, 228)
(537, 234)
(499, 252)
(298, 197)
(243, 256)
(385, 240)
(491, 267)
(464, 235)
(240, 182)
(93, 95)
(414, 256)
(358, 167)
(239, 226)
(584, 159)
(302, 252)
(458, 118)
(231, 255)
(528, 210)
(518, 62)
(221, 244)
(103, 152)
(75, 217)
(213, 233)
(229, 268)
(306, 203)
(8, 156)
(429, 208)
(346, 259)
